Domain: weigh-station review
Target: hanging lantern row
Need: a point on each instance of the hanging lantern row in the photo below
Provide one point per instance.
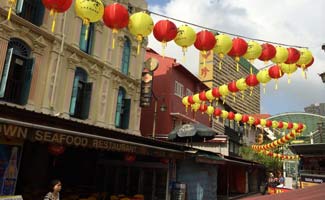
(279, 156)
(283, 140)
(140, 24)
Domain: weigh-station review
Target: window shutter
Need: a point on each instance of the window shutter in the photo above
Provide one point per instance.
(119, 111)
(74, 95)
(38, 14)
(5, 72)
(27, 79)
(90, 37)
(126, 57)
(19, 7)
(86, 97)
(126, 114)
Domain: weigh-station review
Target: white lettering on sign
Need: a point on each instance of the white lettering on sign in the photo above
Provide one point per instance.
(17, 197)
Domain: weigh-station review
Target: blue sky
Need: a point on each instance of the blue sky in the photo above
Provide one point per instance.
(279, 21)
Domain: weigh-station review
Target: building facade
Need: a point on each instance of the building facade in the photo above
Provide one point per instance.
(318, 109)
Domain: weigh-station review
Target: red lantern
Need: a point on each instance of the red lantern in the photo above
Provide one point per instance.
(231, 115)
(215, 92)
(129, 157)
(56, 6)
(290, 125)
(257, 121)
(203, 108)
(202, 96)
(56, 149)
(268, 52)
(239, 48)
(190, 100)
(116, 17)
(205, 41)
(293, 56)
(300, 126)
(217, 112)
(275, 73)
(233, 88)
(280, 125)
(245, 118)
(164, 31)
(268, 123)
(251, 81)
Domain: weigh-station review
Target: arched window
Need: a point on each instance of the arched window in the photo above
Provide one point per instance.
(126, 56)
(85, 44)
(31, 10)
(81, 94)
(122, 114)
(17, 73)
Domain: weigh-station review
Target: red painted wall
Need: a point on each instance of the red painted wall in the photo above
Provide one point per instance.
(163, 87)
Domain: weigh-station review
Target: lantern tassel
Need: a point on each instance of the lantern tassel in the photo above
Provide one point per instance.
(251, 93)
(139, 38)
(243, 94)
(234, 96)
(86, 22)
(276, 84)
(114, 32)
(54, 20)
(163, 44)
(184, 50)
(289, 80)
(220, 64)
(237, 67)
(12, 3)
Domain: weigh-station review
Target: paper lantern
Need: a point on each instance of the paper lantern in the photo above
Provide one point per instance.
(251, 120)
(56, 6)
(233, 88)
(239, 48)
(263, 77)
(89, 11)
(300, 126)
(285, 125)
(257, 121)
(224, 115)
(217, 112)
(254, 51)
(295, 126)
(275, 124)
(222, 46)
(185, 102)
(281, 55)
(205, 41)
(209, 96)
(288, 69)
(290, 125)
(196, 98)
(293, 56)
(215, 93)
(231, 115)
(280, 124)
(238, 117)
(190, 99)
(202, 96)
(195, 107)
(56, 149)
(140, 25)
(251, 81)
(164, 31)
(241, 85)
(185, 37)
(268, 52)
(268, 123)
(115, 17)
(245, 119)
(305, 58)
(309, 64)
(275, 73)
(203, 108)
(223, 90)
(263, 122)
(210, 111)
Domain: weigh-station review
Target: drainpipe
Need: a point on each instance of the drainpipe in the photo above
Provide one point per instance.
(58, 60)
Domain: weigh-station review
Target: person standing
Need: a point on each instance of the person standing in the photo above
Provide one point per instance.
(55, 188)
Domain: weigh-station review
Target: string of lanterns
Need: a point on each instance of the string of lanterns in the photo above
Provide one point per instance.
(277, 155)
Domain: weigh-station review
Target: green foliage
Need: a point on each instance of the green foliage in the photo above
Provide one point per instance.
(270, 163)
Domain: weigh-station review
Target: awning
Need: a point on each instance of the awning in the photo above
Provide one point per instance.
(308, 149)
(192, 130)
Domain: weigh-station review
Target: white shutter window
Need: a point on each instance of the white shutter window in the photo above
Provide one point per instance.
(5, 72)
(19, 6)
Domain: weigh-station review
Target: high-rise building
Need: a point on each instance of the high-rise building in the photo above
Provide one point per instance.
(317, 108)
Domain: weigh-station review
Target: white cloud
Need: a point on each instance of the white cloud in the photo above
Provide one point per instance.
(298, 22)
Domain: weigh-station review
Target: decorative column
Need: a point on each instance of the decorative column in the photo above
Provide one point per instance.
(135, 112)
(102, 100)
(112, 102)
(38, 54)
(99, 47)
(93, 72)
(5, 32)
(73, 26)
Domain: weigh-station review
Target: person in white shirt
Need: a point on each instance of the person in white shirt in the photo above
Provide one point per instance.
(55, 188)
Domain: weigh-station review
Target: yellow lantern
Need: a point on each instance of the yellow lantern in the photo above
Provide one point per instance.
(210, 111)
(304, 128)
(281, 55)
(263, 122)
(222, 47)
(295, 126)
(195, 107)
(209, 95)
(223, 90)
(241, 85)
(254, 51)
(224, 115)
(238, 117)
(196, 98)
(263, 77)
(275, 124)
(285, 126)
(185, 101)
(89, 11)
(185, 37)
(288, 69)
(305, 57)
(140, 25)
(251, 120)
